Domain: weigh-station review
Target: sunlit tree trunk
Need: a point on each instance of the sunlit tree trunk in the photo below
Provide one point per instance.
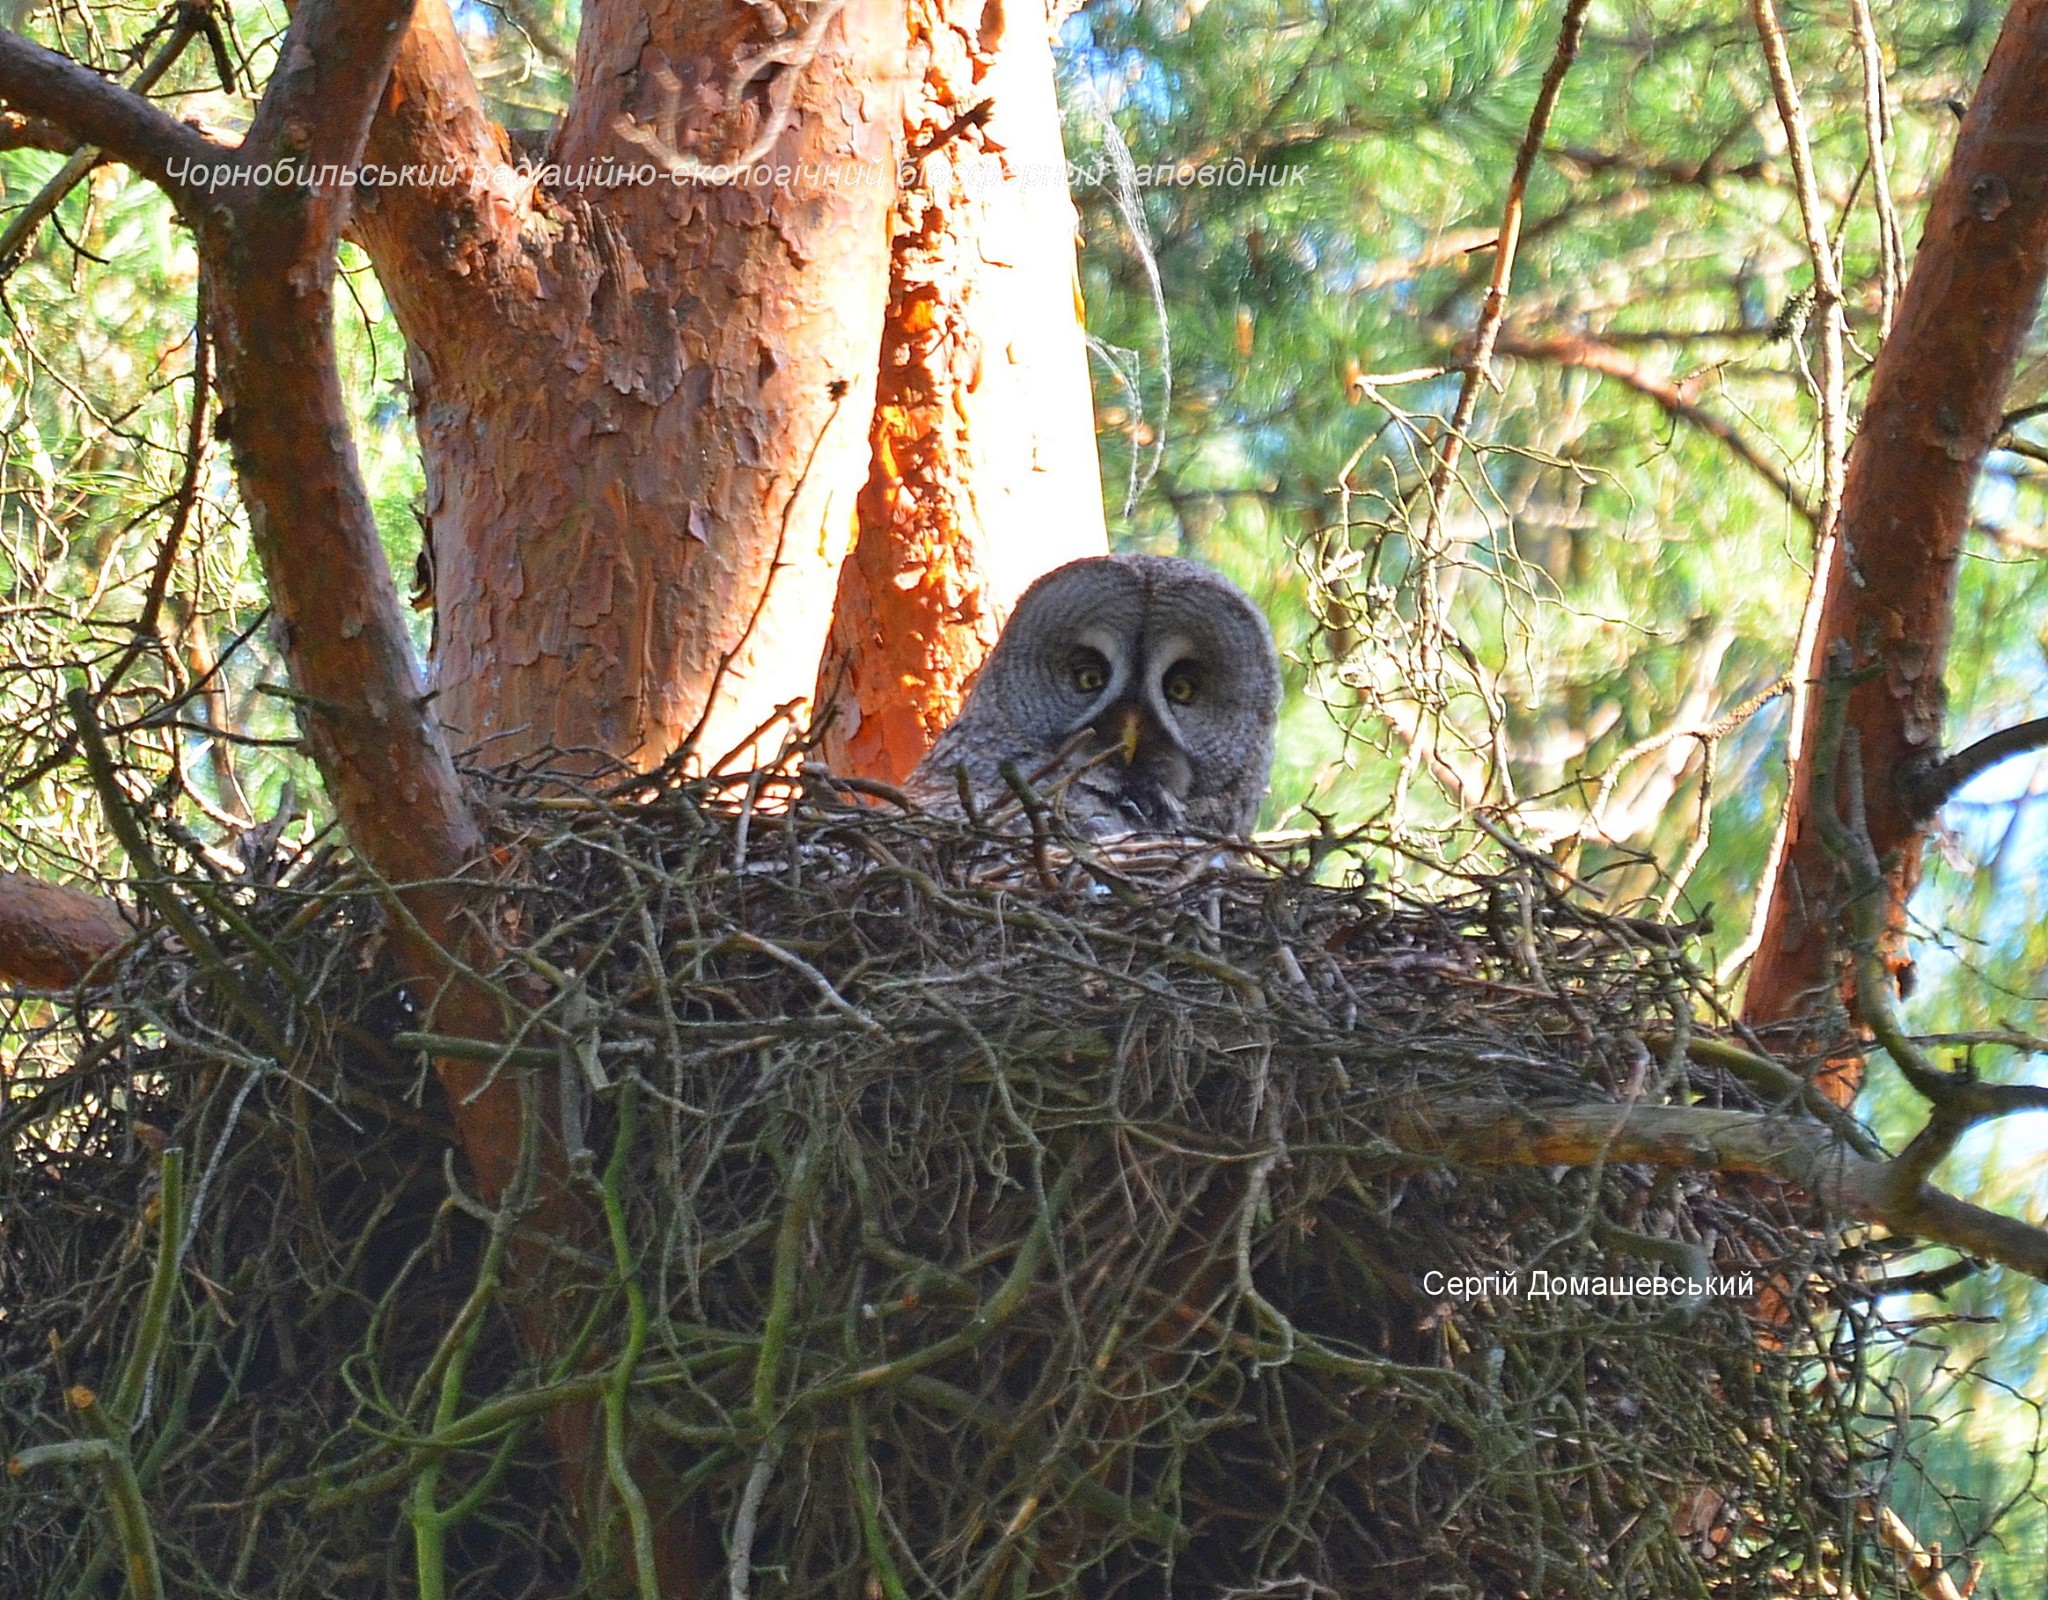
(636, 402)
(1936, 401)
(645, 408)
(641, 402)
(983, 472)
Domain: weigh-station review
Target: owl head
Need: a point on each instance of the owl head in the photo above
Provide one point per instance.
(1151, 682)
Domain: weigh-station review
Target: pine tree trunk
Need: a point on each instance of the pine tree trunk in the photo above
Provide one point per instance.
(1937, 395)
(638, 403)
(983, 473)
(645, 411)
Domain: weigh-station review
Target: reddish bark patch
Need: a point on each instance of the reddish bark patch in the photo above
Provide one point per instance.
(50, 936)
(983, 472)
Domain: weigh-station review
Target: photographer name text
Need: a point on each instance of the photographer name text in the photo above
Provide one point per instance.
(1542, 1285)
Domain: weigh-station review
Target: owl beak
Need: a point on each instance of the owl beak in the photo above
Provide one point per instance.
(1130, 729)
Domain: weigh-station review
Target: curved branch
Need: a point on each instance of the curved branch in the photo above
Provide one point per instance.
(1570, 350)
(1924, 1567)
(50, 936)
(1821, 252)
(1925, 787)
(270, 255)
(85, 158)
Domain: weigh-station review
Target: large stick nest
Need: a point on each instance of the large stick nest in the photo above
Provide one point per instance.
(993, 1222)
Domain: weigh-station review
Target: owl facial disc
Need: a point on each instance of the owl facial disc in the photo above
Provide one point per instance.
(1140, 690)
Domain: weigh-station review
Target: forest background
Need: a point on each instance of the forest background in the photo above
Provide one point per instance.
(1594, 644)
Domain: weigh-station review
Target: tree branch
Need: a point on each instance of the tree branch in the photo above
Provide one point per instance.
(1699, 1138)
(1820, 1157)
(331, 72)
(270, 261)
(1761, 1072)
(1923, 1566)
(269, 257)
(19, 132)
(50, 936)
(1927, 786)
(84, 158)
(42, 84)
(1479, 363)
(1571, 350)
(1822, 252)
(447, 250)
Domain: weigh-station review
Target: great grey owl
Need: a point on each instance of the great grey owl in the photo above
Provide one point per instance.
(1133, 693)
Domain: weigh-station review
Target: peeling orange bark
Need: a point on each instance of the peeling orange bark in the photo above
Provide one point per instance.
(983, 473)
(1936, 401)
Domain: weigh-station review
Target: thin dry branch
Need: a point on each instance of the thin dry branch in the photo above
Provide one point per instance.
(1877, 142)
(1831, 399)
(1820, 250)
(1593, 355)
(183, 499)
(1493, 312)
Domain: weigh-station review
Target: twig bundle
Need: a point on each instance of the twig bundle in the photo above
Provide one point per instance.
(987, 1217)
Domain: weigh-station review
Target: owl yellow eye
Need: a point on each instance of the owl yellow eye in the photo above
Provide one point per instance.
(1090, 672)
(1180, 686)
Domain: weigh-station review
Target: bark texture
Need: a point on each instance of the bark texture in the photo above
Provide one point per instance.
(50, 936)
(268, 253)
(1935, 406)
(983, 472)
(639, 401)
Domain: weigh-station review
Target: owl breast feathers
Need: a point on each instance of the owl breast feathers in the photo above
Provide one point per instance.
(1137, 694)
